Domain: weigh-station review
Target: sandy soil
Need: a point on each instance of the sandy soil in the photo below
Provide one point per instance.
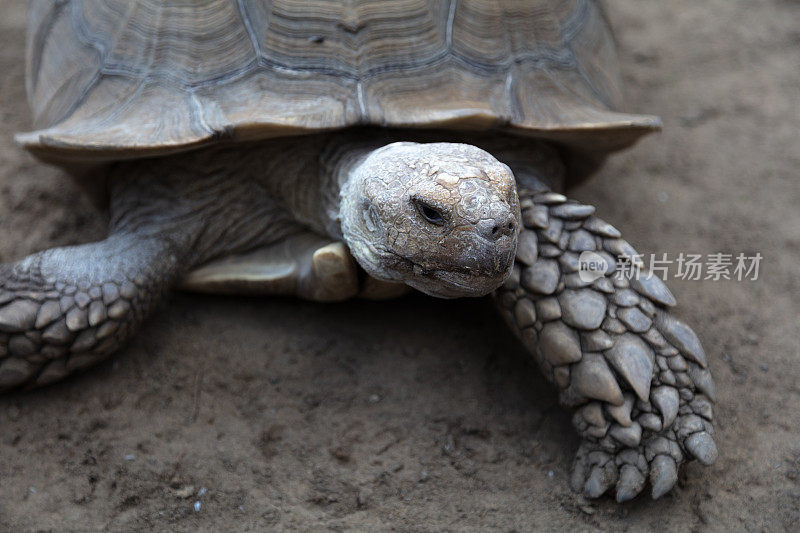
(426, 415)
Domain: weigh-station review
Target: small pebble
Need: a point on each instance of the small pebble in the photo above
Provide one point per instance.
(374, 398)
(202, 491)
(363, 497)
(197, 506)
(185, 492)
(130, 457)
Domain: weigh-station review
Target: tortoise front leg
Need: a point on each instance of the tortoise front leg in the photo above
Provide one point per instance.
(67, 308)
(635, 375)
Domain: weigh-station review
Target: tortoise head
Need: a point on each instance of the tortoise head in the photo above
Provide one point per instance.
(441, 217)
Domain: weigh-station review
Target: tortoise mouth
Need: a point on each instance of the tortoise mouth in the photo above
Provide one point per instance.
(459, 285)
(453, 281)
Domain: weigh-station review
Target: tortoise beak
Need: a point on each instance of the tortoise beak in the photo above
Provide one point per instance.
(474, 268)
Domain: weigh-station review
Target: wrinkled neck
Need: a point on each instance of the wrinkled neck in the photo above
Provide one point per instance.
(305, 175)
(339, 179)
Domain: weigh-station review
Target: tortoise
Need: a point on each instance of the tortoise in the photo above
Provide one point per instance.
(332, 150)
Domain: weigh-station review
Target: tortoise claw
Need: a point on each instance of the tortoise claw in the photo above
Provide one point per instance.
(663, 475)
(631, 482)
(702, 447)
(601, 478)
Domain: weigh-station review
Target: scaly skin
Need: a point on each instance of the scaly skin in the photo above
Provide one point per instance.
(636, 376)
(56, 320)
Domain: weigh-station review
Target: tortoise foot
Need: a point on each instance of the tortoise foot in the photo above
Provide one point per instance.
(625, 467)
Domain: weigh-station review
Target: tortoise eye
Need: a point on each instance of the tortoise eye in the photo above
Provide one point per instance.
(428, 212)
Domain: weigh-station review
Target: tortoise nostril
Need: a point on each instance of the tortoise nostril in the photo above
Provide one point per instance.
(494, 229)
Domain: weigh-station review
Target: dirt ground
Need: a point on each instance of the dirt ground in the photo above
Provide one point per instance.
(418, 414)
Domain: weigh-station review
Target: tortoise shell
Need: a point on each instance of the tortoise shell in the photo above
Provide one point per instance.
(117, 79)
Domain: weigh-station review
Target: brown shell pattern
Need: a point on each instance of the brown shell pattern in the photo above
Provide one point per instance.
(112, 79)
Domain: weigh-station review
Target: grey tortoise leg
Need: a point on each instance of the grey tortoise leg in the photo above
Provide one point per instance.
(67, 308)
(636, 376)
